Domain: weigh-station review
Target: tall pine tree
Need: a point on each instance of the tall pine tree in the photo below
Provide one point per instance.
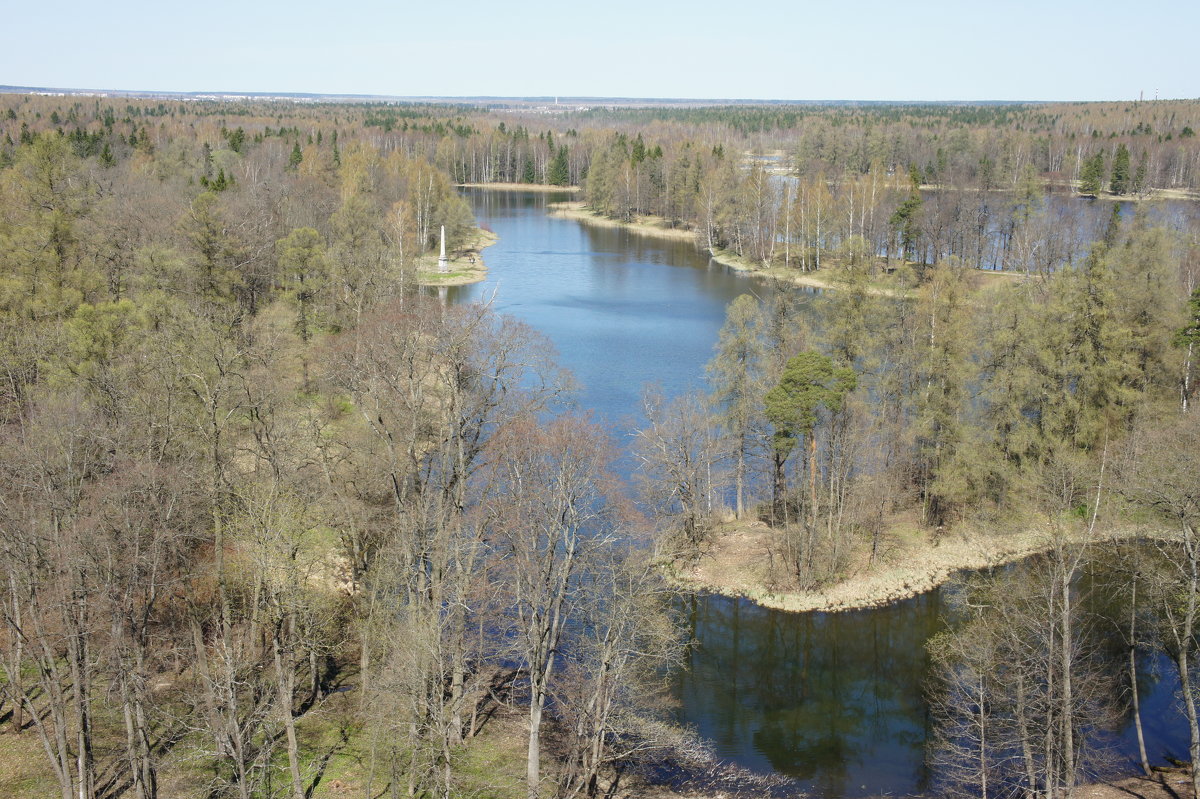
(1120, 171)
(559, 173)
(1091, 175)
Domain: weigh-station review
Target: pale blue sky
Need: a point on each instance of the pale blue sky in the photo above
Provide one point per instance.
(760, 49)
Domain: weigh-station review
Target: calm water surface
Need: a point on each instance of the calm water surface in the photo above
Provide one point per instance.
(835, 701)
(623, 310)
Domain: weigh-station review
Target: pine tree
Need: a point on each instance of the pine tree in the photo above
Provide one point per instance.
(1120, 171)
(296, 157)
(810, 381)
(1112, 231)
(906, 220)
(559, 174)
(1139, 178)
(1091, 175)
(639, 150)
(942, 370)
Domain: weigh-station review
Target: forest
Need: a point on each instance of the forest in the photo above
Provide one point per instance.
(276, 522)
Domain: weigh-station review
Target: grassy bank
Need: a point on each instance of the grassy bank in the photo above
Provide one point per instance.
(644, 225)
(339, 759)
(466, 263)
(825, 279)
(742, 560)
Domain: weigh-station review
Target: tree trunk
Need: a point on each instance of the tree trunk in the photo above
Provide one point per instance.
(812, 477)
(77, 652)
(1133, 682)
(285, 677)
(533, 765)
(1068, 715)
(779, 485)
(1022, 719)
(981, 700)
(16, 691)
(740, 478)
(1189, 705)
(1186, 388)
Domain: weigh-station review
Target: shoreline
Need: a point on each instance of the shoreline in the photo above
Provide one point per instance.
(643, 225)
(1071, 188)
(786, 275)
(737, 564)
(657, 227)
(466, 267)
(1148, 196)
(519, 187)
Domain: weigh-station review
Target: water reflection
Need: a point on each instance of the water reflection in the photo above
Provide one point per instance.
(838, 701)
(622, 309)
(832, 700)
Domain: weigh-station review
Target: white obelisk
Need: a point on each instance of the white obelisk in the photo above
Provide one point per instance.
(443, 264)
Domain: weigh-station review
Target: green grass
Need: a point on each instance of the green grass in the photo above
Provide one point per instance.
(333, 746)
(24, 770)
(492, 765)
(335, 750)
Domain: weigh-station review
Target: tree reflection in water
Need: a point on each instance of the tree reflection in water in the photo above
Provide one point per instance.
(838, 701)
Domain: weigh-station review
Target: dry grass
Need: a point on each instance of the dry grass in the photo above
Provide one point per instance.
(24, 771)
(824, 280)
(744, 559)
(654, 226)
(518, 187)
(1174, 785)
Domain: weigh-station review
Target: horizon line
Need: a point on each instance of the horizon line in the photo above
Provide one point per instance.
(550, 99)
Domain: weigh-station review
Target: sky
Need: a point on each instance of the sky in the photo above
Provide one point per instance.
(755, 49)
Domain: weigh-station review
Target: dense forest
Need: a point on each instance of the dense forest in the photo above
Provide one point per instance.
(241, 455)
(270, 515)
